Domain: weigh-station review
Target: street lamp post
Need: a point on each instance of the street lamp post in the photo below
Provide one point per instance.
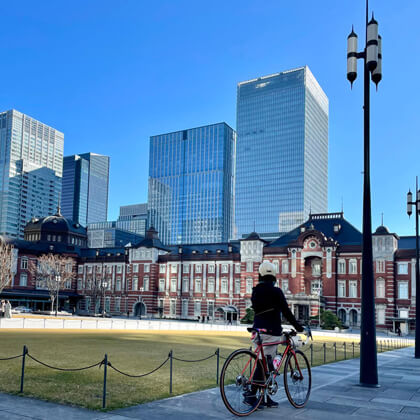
(416, 205)
(372, 59)
(57, 280)
(104, 286)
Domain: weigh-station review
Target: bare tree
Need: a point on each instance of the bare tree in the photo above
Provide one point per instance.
(52, 271)
(7, 270)
(96, 282)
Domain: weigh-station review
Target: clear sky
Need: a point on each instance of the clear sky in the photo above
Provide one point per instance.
(109, 74)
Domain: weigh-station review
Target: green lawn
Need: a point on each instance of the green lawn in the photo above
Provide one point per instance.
(131, 352)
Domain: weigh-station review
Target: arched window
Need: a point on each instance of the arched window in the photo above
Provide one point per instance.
(342, 315)
(353, 317)
(380, 288)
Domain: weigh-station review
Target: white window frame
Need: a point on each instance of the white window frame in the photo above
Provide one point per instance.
(162, 268)
(23, 279)
(173, 268)
(197, 308)
(403, 268)
(135, 283)
(161, 285)
(352, 289)
(210, 285)
(403, 287)
(225, 268)
(249, 266)
(284, 266)
(146, 283)
(24, 263)
(380, 288)
(117, 284)
(341, 288)
(380, 316)
(353, 266)
(185, 284)
(186, 268)
(212, 268)
(198, 268)
(172, 307)
(135, 268)
(237, 286)
(224, 285)
(119, 269)
(341, 266)
(173, 284)
(380, 266)
(197, 286)
(80, 269)
(146, 268)
(285, 285)
(238, 268)
(184, 308)
(249, 284)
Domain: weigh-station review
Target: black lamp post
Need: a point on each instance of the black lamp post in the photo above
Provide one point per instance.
(372, 60)
(104, 286)
(57, 280)
(416, 205)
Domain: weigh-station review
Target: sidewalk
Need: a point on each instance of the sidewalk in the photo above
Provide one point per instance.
(335, 394)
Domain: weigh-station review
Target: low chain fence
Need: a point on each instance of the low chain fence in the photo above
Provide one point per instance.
(317, 352)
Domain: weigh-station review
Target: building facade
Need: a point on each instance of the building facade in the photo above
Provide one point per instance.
(31, 164)
(191, 184)
(133, 218)
(85, 188)
(282, 152)
(318, 266)
(110, 235)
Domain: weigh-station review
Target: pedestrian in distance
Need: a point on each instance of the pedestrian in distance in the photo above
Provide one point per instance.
(2, 308)
(8, 309)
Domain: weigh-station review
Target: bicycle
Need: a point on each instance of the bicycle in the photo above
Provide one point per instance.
(244, 369)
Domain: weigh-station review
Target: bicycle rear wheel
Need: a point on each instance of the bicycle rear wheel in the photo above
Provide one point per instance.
(297, 378)
(240, 378)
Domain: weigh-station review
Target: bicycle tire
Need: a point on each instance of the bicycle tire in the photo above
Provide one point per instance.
(235, 381)
(297, 382)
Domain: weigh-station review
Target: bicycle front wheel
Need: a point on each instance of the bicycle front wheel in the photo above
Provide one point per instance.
(297, 378)
(241, 382)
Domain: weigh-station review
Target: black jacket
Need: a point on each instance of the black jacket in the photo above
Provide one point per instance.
(269, 303)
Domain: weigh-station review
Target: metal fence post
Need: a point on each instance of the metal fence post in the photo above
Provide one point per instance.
(217, 365)
(335, 351)
(170, 372)
(22, 376)
(312, 354)
(105, 373)
(325, 360)
(352, 344)
(345, 353)
(381, 346)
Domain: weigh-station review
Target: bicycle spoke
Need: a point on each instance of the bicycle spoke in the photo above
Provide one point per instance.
(297, 379)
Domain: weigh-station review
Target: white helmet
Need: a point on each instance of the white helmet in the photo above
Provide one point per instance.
(267, 268)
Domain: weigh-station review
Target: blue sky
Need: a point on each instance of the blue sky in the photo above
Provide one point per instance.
(110, 74)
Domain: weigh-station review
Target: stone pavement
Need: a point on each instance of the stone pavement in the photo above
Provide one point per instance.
(335, 394)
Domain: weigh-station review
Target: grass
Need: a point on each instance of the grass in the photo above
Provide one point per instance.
(134, 352)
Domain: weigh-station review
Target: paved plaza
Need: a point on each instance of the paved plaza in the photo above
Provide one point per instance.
(335, 394)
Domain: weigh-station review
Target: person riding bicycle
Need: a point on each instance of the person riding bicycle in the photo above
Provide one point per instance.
(268, 303)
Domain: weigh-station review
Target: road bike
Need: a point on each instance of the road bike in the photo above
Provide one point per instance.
(248, 372)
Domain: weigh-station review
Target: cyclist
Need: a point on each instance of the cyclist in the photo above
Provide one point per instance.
(268, 303)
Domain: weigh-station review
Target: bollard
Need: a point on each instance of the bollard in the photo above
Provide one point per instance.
(104, 390)
(217, 366)
(170, 372)
(345, 353)
(352, 344)
(312, 354)
(22, 377)
(335, 351)
(325, 356)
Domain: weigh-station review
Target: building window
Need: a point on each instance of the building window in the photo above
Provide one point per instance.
(107, 304)
(79, 284)
(173, 268)
(109, 269)
(341, 288)
(403, 290)
(224, 286)
(380, 266)
(380, 316)
(118, 285)
(117, 304)
(380, 288)
(237, 286)
(119, 269)
(210, 285)
(197, 308)
(211, 268)
(198, 268)
(224, 268)
(146, 284)
(402, 268)
(172, 307)
(135, 268)
(89, 269)
(285, 285)
(24, 263)
(173, 285)
(23, 281)
(276, 265)
(184, 308)
(198, 285)
(147, 268)
(353, 289)
(249, 267)
(316, 268)
(249, 284)
(185, 282)
(352, 267)
(210, 309)
(186, 268)
(237, 268)
(128, 269)
(161, 285)
(87, 303)
(162, 268)
(341, 266)
(135, 283)
(403, 313)
(80, 269)
(316, 288)
(285, 266)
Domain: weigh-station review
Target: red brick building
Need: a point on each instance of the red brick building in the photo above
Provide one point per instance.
(319, 264)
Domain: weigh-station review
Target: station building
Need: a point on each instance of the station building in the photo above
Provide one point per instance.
(318, 266)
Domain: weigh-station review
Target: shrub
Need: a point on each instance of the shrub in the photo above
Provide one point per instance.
(249, 316)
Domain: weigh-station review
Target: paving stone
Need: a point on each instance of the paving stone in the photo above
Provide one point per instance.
(343, 400)
(411, 410)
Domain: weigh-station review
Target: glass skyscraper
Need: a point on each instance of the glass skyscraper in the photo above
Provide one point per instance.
(191, 184)
(282, 152)
(85, 188)
(31, 164)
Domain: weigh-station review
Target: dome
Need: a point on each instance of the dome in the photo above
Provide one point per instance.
(382, 230)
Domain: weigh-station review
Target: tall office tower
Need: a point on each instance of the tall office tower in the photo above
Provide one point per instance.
(133, 218)
(85, 188)
(191, 184)
(282, 152)
(31, 165)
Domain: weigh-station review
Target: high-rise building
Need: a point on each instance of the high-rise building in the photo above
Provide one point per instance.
(85, 188)
(191, 184)
(133, 218)
(31, 165)
(282, 152)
